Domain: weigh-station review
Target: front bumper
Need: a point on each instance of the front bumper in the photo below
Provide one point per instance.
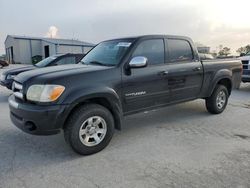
(245, 78)
(37, 119)
(6, 83)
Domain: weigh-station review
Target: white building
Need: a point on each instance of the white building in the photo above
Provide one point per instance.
(21, 49)
(202, 48)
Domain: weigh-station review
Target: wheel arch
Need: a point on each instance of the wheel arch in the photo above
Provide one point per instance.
(108, 100)
(223, 77)
(227, 83)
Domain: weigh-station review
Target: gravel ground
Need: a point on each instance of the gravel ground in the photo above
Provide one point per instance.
(177, 146)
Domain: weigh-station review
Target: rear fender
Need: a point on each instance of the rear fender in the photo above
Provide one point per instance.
(221, 74)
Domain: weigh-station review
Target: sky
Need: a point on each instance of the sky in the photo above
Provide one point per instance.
(210, 22)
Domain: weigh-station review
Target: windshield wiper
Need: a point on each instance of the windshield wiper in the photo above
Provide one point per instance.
(98, 63)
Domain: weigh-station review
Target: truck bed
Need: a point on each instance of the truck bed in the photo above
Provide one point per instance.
(215, 66)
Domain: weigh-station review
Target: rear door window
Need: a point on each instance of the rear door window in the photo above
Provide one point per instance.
(179, 50)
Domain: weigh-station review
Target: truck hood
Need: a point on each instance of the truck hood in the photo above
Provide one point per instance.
(55, 71)
(245, 58)
(19, 70)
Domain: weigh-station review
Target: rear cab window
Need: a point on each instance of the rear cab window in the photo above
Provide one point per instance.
(179, 50)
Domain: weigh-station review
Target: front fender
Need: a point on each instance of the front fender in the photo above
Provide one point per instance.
(78, 96)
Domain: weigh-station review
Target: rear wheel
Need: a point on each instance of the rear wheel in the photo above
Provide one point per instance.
(89, 129)
(217, 102)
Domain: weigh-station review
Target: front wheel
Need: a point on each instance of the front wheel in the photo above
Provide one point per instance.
(89, 129)
(217, 102)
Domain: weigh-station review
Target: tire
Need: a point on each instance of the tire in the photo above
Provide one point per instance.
(82, 129)
(212, 102)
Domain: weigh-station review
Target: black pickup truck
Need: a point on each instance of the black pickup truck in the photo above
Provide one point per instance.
(117, 78)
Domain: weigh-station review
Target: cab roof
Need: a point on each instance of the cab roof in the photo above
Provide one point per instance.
(152, 36)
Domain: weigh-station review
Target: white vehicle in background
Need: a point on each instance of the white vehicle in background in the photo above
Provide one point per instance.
(246, 67)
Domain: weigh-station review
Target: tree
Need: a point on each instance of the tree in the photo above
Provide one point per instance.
(214, 53)
(224, 51)
(247, 48)
(220, 47)
(243, 49)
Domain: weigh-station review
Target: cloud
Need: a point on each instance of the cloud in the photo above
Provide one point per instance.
(203, 24)
(52, 32)
(208, 22)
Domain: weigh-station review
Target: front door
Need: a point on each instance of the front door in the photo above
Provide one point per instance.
(146, 87)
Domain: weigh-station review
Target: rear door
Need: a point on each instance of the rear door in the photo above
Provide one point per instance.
(185, 72)
(146, 87)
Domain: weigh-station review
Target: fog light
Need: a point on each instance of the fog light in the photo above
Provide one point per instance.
(30, 126)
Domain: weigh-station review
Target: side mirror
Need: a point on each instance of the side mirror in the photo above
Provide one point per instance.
(138, 62)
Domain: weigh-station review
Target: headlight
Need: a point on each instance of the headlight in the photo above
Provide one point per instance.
(10, 76)
(3, 76)
(44, 93)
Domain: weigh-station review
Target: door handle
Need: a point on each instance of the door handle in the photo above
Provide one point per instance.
(196, 69)
(163, 73)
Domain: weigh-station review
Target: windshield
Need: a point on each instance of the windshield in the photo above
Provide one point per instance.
(45, 61)
(248, 53)
(107, 53)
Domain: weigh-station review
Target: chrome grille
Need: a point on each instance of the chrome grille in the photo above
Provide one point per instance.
(245, 65)
(18, 90)
(245, 62)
